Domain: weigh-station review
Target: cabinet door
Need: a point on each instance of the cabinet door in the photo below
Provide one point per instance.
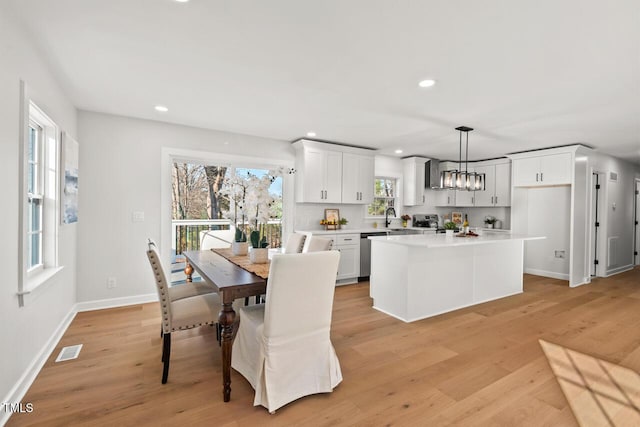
(502, 196)
(315, 168)
(485, 197)
(555, 169)
(349, 266)
(366, 179)
(526, 172)
(333, 177)
(445, 198)
(464, 198)
(350, 178)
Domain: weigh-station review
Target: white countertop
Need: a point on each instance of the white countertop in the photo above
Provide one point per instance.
(346, 231)
(442, 240)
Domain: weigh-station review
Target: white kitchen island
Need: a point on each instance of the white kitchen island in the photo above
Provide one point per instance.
(418, 276)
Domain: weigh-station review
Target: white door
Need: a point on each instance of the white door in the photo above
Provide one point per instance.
(555, 169)
(485, 197)
(637, 224)
(350, 178)
(314, 176)
(526, 172)
(502, 196)
(333, 177)
(367, 179)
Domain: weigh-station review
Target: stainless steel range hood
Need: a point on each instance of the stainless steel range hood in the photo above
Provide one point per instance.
(432, 174)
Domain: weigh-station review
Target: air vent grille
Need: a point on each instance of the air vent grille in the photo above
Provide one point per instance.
(69, 353)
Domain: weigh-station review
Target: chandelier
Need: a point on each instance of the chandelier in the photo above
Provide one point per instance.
(461, 179)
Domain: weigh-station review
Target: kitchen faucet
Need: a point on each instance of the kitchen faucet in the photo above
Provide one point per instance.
(386, 216)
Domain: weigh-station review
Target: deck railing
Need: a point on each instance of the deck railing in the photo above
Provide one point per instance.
(185, 235)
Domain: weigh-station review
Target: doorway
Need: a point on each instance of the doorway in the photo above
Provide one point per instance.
(596, 220)
(636, 244)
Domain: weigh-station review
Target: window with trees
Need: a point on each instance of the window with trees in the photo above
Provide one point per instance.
(201, 201)
(384, 196)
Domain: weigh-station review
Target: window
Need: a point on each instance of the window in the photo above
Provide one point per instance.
(40, 194)
(35, 197)
(384, 196)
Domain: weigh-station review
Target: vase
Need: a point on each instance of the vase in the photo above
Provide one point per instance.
(449, 232)
(489, 225)
(239, 248)
(259, 255)
(404, 224)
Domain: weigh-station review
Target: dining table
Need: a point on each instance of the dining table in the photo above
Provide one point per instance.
(232, 277)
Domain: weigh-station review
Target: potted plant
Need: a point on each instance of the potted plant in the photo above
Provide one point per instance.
(343, 222)
(236, 189)
(405, 220)
(489, 221)
(259, 247)
(449, 227)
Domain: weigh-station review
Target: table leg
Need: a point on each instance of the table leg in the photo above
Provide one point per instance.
(226, 318)
(188, 270)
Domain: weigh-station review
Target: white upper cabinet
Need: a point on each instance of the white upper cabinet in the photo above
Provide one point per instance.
(540, 170)
(329, 173)
(497, 185)
(357, 178)
(413, 185)
(445, 198)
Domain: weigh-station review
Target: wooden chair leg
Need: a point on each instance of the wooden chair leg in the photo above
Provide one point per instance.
(246, 301)
(166, 355)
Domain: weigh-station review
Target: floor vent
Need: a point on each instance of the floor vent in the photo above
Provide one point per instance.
(68, 353)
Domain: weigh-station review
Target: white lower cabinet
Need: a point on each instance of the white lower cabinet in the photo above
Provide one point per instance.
(349, 247)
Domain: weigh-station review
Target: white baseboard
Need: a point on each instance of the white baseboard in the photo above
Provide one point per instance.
(544, 273)
(24, 382)
(618, 270)
(101, 304)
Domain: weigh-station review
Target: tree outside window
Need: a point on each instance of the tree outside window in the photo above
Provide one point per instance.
(384, 196)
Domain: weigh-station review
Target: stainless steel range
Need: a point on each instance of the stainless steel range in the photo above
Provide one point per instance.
(428, 221)
(425, 220)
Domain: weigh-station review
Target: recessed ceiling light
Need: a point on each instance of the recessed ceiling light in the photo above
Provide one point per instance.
(398, 151)
(161, 108)
(427, 83)
(311, 134)
(182, 1)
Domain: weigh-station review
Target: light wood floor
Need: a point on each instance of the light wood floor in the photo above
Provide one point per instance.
(483, 365)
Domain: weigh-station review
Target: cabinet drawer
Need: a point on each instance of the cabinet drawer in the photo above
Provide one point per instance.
(347, 239)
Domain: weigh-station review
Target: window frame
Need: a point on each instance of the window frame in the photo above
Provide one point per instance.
(47, 160)
(395, 198)
(35, 191)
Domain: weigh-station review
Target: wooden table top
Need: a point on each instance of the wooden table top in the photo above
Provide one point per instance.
(219, 271)
(243, 261)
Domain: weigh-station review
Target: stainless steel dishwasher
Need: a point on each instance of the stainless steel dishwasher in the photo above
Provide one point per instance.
(365, 253)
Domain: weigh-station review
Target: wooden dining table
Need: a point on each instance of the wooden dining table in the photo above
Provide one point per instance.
(231, 281)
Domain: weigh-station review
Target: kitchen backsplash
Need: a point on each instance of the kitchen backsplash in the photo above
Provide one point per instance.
(308, 215)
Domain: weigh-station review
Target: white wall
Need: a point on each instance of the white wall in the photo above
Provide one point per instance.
(123, 156)
(25, 331)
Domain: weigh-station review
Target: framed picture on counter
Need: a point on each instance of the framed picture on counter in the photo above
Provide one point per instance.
(332, 219)
(456, 217)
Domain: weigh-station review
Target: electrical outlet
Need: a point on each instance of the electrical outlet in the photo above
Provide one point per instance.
(559, 254)
(111, 282)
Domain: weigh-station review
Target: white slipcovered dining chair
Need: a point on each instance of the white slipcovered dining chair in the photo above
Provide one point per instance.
(181, 314)
(317, 244)
(295, 243)
(283, 347)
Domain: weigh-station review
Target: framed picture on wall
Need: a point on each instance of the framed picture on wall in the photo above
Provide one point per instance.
(331, 219)
(456, 217)
(69, 180)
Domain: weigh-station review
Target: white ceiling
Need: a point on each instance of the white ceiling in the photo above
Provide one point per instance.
(525, 74)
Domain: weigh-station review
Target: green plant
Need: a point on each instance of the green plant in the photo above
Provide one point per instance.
(450, 225)
(344, 221)
(241, 236)
(256, 241)
(490, 219)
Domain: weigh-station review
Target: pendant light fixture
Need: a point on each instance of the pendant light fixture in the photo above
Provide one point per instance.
(461, 179)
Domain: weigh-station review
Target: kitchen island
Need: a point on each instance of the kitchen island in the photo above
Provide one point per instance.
(418, 276)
